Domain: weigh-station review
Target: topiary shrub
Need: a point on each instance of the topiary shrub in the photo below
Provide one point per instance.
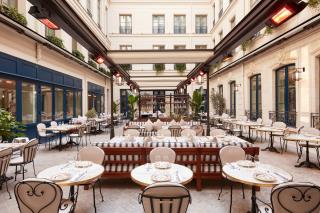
(159, 67)
(180, 67)
(92, 64)
(55, 40)
(13, 13)
(78, 54)
(91, 113)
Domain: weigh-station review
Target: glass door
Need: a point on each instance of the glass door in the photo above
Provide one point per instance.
(286, 95)
(233, 99)
(255, 97)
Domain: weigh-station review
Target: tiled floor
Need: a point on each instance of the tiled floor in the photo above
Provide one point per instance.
(121, 196)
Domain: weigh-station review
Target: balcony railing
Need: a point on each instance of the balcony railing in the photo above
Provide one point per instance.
(288, 117)
(201, 29)
(315, 120)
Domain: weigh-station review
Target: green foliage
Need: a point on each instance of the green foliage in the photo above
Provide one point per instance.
(268, 30)
(91, 113)
(314, 3)
(92, 64)
(159, 67)
(246, 44)
(9, 127)
(125, 67)
(14, 14)
(103, 70)
(218, 102)
(115, 107)
(132, 100)
(180, 67)
(78, 54)
(197, 101)
(55, 40)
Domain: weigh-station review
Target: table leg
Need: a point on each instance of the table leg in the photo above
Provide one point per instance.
(271, 148)
(60, 141)
(307, 162)
(253, 200)
(71, 193)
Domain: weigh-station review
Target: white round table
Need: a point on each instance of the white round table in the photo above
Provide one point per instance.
(179, 174)
(243, 175)
(78, 176)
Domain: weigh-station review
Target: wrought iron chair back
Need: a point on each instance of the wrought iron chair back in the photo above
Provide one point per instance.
(175, 130)
(296, 197)
(165, 198)
(30, 150)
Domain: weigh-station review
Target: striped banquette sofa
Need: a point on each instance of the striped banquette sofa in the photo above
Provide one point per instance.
(202, 158)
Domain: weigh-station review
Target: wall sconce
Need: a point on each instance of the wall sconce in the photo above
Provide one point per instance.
(200, 79)
(237, 86)
(298, 73)
(119, 80)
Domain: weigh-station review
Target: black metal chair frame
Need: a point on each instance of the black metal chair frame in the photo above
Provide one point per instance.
(4, 167)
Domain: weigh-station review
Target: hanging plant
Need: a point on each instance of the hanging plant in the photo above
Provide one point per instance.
(103, 70)
(268, 30)
(92, 64)
(78, 54)
(159, 67)
(55, 40)
(246, 44)
(125, 67)
(13, 13)
(314, 3)
(180, 67)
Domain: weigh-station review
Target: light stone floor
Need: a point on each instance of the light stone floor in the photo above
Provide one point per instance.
(121, 195)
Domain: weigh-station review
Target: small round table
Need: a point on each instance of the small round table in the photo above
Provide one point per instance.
(179, 174)
(246, 176)
(271, 131)
(79, 176)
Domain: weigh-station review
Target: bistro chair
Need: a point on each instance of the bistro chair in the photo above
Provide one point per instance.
(295, 197)
(28, 154)
(132, 132)
(87, 132)
(95, 155)
(165, 198)
(230, 154)
(78, 136)
(164, 132)
(41, 196)
(198, 129)
(162, 154)
(42, 134)
(312, 145)
(188, 133)
(216, 132)
(280, 125)
(175, 130)
(5, 156)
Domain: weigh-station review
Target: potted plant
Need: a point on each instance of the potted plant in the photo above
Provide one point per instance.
(13, 13)
(115, 107)
(313, 3)
(91, 113)
(9, 127)
(92, 64)
(103, 70)
(180, 67)
(78, 54)
(218, 102)
(132, 100)
(159, 67)
(55, 40)
(125, 67)
(197, 102)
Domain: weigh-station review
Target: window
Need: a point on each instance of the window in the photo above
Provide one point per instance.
(46, 103)
(78, 98)
(89, 7)
(158, 25)
(49, 32)
(232, 22)
(125, 47)
(125, 24)
(233, 99)
(179, 47)
(10, 3)
(106, 21)
(220, 35)
(286, 95)
(214, 14)
(99, 12)
(201, 24)
(29, 103)
(58, 100)
(179, 24)
(159, 67)
(255, 97)
(69, 103)
(74, 44)
(220, 90)
(8, 95)
(180, 67)
(220, 8)
(200, 46)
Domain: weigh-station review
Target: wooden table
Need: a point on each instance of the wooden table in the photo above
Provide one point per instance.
(247, 176)
(306, 138)
(79, 176)
(271, 130)
(179, 174)
(63, 129)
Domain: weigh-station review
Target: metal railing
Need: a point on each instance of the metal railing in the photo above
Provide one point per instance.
(315, 120)
(288, 117)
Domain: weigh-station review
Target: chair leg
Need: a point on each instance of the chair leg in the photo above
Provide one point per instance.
(94, 198)
(6, 180)
(220, 192)
(34, 170)
(318, 155)
(243, 195)
(231, 197)
(15, 173)
(22, 171)
(100, 188)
